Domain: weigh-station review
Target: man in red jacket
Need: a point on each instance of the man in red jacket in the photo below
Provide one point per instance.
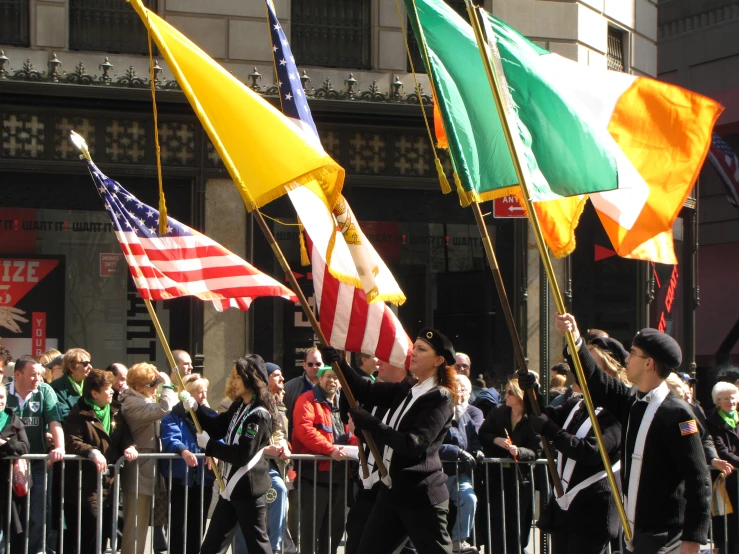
(317, 429)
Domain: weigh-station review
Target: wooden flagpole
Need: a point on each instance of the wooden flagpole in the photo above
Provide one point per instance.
(500, 286)
(497, 84)
(317, 330)
(80, 143)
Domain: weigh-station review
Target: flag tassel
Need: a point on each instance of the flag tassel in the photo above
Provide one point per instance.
(464, 198)
(303, 250)
(445, 187)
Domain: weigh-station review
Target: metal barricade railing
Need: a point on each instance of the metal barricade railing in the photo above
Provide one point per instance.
(503, 489)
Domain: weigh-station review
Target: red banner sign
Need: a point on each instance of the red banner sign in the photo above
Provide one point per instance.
(506, 207)
(38, 333)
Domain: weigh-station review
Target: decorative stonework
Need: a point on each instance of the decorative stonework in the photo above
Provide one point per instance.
(367, 153)
(125, 141)
(413, 156)
(177, 143)
(23, 135)
(63, 147)
(698, 21)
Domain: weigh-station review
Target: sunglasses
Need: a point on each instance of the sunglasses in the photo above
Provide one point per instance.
(509, 392)
(152, 384)
(85, 362)
(313, 364)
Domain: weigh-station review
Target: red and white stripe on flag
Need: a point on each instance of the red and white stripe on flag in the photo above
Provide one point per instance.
(170, 267)
(351, 324)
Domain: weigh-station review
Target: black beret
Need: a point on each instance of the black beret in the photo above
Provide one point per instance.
(613, 347)
(659, 346)
(440, 343)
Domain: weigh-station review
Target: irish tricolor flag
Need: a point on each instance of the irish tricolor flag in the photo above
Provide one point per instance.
(635, 145)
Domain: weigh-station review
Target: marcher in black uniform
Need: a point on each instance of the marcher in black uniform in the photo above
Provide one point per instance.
(584, 519)
(245, 429)
(414, 501)
(665, 478)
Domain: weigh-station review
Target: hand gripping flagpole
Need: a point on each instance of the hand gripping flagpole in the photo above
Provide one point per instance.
(80, 143)
(319, 333)
(500, 287)
(497, 85)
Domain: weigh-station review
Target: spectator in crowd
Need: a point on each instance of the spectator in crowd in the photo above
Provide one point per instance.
(13, 442)
(729, 375)
(51, 359)
(507, 433)
(303, 383)
(584, 519)
(413, 500)
(690, 382)
(36, 404)
(192, 483)
(367, 365)
(366, 496)
(5, 360)
(317, 429)
(183, 361)
(722, 424)
(245, 430)
(143, 414)
(68, 388)
(278, 456)
(94, 429)
(557, 386)
(462, 364)
(462, 445)
(560, 369)
(120, 372)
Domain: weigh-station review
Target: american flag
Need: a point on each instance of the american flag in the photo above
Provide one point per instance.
(347, 320)
(725, 161)
(181, 262)
(688, 427)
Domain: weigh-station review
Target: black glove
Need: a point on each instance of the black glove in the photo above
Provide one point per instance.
(543, 425)
(479, 456)
(363, 420)
(527, 381)
(467, 460)
(329, 355)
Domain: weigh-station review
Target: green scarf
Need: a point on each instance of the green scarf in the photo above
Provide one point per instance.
(76, 385)
(731, 419)
(103, 414)
(4, 417)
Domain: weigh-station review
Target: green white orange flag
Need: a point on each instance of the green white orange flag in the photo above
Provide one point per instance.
(584, 127)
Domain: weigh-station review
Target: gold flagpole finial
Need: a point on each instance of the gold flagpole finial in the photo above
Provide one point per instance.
(81, 145)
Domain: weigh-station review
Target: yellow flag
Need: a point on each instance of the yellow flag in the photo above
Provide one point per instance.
(264, 152)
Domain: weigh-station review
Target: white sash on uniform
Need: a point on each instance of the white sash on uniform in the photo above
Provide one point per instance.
(569, 495)
(655, 398)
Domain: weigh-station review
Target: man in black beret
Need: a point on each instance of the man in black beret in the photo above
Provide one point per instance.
(665, 481)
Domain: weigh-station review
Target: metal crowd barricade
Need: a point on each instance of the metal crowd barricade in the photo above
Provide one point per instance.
(500, 503)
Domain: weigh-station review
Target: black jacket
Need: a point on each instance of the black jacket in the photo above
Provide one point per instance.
(17, 445)
(593, 510)
(255, 432)
(726, 440)
(416, 470)
(497, 422)
(674, 488)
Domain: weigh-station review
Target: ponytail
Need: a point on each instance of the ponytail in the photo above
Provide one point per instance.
(447, 378)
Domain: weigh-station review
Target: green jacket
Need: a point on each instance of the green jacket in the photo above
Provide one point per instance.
(66, 394)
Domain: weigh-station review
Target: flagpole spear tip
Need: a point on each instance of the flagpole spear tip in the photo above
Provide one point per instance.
(81, 145)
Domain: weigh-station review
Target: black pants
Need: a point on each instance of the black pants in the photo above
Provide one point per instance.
(357, 518)
(330, 501)
(87, 528)
(178, 527)
(517, 513)
(249, 513)
(575, 543)
(389, 524)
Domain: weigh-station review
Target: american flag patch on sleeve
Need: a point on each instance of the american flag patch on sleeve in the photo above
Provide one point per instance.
(688, 427)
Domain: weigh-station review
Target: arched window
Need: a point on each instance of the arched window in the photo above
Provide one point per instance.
(331, 33)
(107, 25)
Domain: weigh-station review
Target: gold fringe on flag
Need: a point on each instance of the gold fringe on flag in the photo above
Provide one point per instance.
(303, 250)
(445, 187)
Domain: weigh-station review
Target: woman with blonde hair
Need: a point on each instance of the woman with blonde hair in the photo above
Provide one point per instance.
(507, 433)
(192, 482)
(143, 414)
(76, 365)
(52, 362)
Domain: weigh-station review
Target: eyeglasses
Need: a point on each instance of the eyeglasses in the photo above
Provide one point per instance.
(462, 366)
(632, 352)
(313, 364)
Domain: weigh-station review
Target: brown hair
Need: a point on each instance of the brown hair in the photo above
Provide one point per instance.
(447, 378)
(49, 355)
(557, 381)
(141, 374)
(71, 357)
(96, 380)
(612, 365)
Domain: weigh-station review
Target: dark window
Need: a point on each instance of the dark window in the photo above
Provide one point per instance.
(615, 56)
(107, 25)
(14, 22)
(331, 33)
(459, 7)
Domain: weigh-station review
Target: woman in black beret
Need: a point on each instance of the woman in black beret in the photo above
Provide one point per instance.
(413, 501)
